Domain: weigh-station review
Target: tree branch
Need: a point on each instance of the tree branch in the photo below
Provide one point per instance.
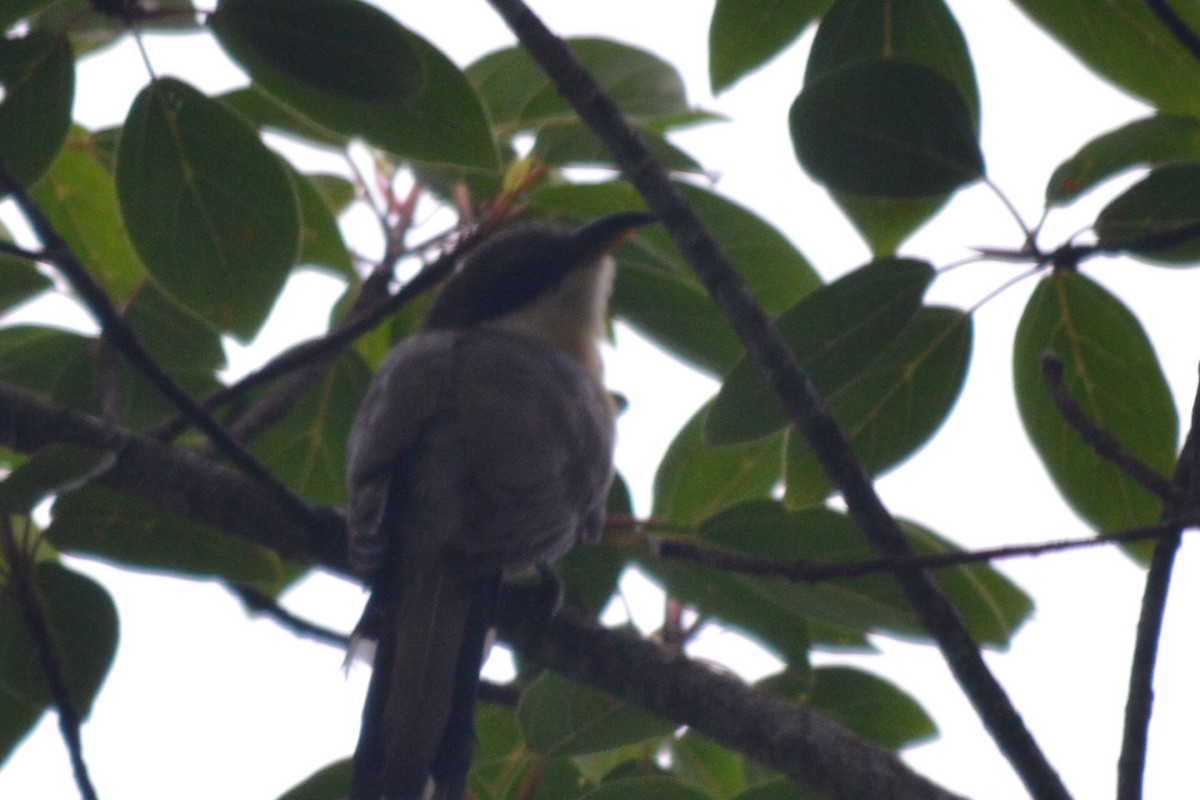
(793, 739)
(1104, 443)
(58, 252)
(179, 481)
(797, 741)
(1175, 24)
(795, 390)
(810, 571)
(21, 585)
(1139, 702)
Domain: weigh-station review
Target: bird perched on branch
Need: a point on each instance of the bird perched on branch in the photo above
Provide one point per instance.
(483, 446)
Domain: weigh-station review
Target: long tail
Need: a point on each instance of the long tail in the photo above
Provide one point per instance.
(418, 721)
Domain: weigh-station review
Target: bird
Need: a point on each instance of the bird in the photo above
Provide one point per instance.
(483, 447)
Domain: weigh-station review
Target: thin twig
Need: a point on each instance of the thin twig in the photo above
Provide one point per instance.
(1139, 702)
(21, 586)
(792, 385)
(115, 330)
(325, 348)
(269, 607)
(1175, 24)
(1100, 440)
(815, 571)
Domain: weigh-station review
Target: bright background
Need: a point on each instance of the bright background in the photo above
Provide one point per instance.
(204, 702)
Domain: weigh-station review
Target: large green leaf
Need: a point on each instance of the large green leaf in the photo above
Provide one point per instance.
(894, 405)
(79, 197)
(123, 530)
(917, 31)
(353, 69)
(316, 50)
(49, 362)
(717, 770)
(1158, 218)
(835, 332)
(561, 717)
(321, 241)
(842, 611)
(745, 34)
(1111, 370)
(571, 142)
(870, 706)
(37, 74)
(924, 32)
(307, 448)
(19, 281)
(266, 112)
(1150, 141)
(1123, 41)
(520, 96)
(886, 128)
(82, 624)
(209, 208)
(695, 480)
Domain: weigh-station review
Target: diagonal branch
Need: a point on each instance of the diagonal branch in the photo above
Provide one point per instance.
(793, 739)
(1139, 702)
(1100, 440)
(58, 252)
(1175, 24)
(792, 385)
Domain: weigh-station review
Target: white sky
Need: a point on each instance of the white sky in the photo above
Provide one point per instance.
(203, 703)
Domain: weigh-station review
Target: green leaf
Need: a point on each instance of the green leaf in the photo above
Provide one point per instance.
(744, 34)
(418, 105)
(37, 75)
(718, 771)
(884, 222)
(331, 782)
(79, 198)
(872, 707)
(573, 143)
(19, 281)
(1150, 141)
(561, 717)
(835, 332)
(46, 361)
(265, 112)
(209, 208)
(1111, 370)
(992, 606)
(894, 405)
(1158, 218)
(1123, 41)
(82, 623)
(52, 469)
(843, 611)
(342, 49)
(660, 787)
(520, 96)
(886, 129)
(321, 242)
(306, 448)
(695, 480)
(122, 530)
(924, 32)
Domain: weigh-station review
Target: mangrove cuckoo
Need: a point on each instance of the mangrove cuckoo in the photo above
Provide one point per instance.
(483, 446)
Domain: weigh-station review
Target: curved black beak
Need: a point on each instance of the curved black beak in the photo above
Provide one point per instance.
(603, 234)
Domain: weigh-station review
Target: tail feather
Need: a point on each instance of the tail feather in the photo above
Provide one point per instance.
(418, 720)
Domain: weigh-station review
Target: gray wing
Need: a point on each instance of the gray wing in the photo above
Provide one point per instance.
(499, 443)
